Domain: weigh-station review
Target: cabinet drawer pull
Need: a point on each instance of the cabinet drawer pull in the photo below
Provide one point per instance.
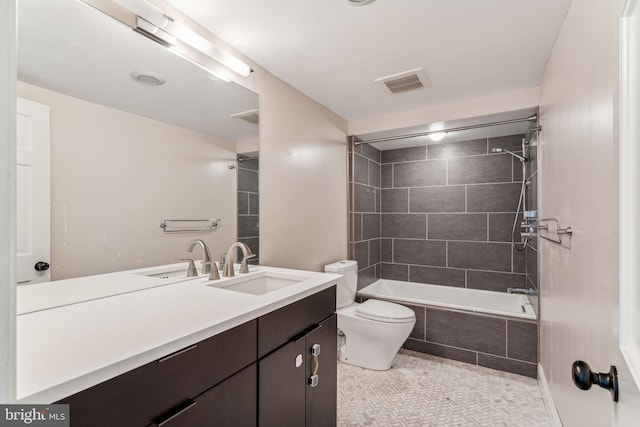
(181, 411)
(177, 353)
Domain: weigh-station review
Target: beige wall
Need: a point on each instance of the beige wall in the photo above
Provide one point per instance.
(578, 173)
(116, 176)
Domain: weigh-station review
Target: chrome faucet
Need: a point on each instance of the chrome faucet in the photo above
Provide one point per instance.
(525, 291)
(229, 260)
(206, 264)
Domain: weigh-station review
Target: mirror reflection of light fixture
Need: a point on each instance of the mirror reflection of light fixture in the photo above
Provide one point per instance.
(160, 27)
(437, 136)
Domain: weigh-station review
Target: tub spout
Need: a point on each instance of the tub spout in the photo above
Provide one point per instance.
(525, 291)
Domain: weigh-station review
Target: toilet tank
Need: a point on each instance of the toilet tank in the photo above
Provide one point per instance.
(347, 284)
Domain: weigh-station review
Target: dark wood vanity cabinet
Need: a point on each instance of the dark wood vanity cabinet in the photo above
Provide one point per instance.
(254, 374)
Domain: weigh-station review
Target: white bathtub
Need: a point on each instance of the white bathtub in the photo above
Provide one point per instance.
(497, 303)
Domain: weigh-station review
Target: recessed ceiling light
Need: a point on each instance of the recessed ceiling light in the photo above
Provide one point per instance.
(148, 78)
(360, 2)
(437, 136)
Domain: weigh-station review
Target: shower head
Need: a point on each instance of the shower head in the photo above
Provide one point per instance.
(502, 150)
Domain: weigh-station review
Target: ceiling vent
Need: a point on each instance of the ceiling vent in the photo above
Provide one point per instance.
(405, 82)
(251, 116)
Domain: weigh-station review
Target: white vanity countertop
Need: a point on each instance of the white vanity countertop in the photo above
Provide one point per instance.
(66, 349)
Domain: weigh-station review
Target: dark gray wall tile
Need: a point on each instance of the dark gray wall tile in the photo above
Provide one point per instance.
(365, 198)
(457, 226)
(480, 256)
(522, 341)
(501, 226)
(468, 331)
(418, 331)
(366, 277)
(416, 174)
(517, 169)
(374, 251)
(508, 365)
(362, 254)
(480, 169)
(457, 149)
(510, 142)
(371, 152)
(437, 199)
(421, 252)
(358, 226)
(404, 154)
(361, 170)
(386, 176)
(248, 226)
(492, 281)
(519, 261)
(458, 354)
(370, 226)
(254, 204)
(243, 203)
(248, 180)
(404, 225)
(493, 197)
(395, 200)
(386, 250)
(374, 174)
(394, 271)
(437, 276)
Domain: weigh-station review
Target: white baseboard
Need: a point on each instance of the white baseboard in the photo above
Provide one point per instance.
(552, 412)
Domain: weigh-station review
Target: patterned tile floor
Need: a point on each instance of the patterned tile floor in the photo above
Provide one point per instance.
(424, 390)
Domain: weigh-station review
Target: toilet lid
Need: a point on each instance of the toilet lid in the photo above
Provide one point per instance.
(384, 311)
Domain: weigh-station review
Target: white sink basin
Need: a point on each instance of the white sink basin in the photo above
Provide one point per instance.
(259, 283)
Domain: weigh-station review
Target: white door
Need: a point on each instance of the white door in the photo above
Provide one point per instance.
(33, 192)
(627, 327)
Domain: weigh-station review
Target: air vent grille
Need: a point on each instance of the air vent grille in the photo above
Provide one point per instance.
(405, 82)
(251, 116)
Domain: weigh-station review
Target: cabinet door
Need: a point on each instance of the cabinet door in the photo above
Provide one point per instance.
(231, 403)
(281, 386)
(321, 399)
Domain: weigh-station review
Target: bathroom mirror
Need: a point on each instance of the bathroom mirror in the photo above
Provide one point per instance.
(138, 135)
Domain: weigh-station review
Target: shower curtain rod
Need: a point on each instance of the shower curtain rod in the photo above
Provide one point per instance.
(532, 118)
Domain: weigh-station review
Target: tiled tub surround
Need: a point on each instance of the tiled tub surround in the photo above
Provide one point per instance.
(443, 214)
(483, 328)
(249, 206)
(439, 214)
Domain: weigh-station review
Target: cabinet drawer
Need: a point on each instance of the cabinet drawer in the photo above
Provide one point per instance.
(232, 403)
(278, 327)
(146, 394)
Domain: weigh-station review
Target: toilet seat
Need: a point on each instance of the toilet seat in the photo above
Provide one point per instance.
(383, 311)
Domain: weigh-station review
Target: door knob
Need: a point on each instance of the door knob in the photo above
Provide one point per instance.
(41, 266)
(583, 378)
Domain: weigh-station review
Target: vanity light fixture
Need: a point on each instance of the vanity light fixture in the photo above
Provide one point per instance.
(162, 28)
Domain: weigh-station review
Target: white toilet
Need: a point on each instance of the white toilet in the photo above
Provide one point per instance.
(371, 333)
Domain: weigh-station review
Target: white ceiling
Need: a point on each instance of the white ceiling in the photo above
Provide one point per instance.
(333, 52)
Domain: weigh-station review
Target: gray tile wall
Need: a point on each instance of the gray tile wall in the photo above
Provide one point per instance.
(439, 214)
(501, 343)
(249, 206)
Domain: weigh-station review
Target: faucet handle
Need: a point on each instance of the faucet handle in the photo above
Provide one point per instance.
(214, 274)
(191, 271)
(244, 266)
